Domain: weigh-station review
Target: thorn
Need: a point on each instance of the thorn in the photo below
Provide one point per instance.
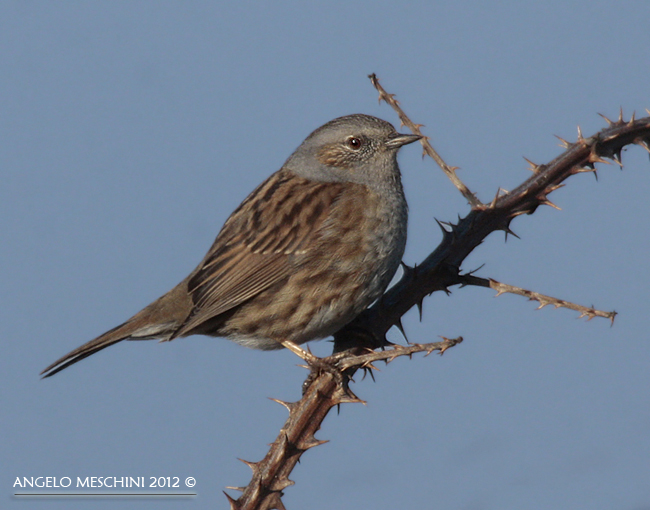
(368, 370)
(546, 201)
(252, 465)
(446, 234)
(409, 271)
(442, 226)
(351, 400)
(508, 232)
(595, 158)
(533, 167)
(311, 443)
(279, 484)
(233, 503)
(632, 119)
(643, 143)
(400, 326)
(620, 115)
(419, 304)
(617, 157)
(493, 204)
(231, 488)
(580, 137)
(288, 405)
(551, 189)
(474, 271)
(563, 143)
(609, 122)
(368, 366)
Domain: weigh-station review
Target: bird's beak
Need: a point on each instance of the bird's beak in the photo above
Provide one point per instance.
(399, 140)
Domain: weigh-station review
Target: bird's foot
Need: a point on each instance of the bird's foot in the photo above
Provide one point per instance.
(300, 352)
(319, 365)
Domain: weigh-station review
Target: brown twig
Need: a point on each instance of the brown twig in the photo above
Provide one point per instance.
(365, 360)
(427, 147)
(543, 300)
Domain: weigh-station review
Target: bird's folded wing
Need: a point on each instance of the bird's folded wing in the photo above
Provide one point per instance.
(259, 243)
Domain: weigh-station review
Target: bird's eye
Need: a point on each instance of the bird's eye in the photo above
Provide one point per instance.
(354, 143)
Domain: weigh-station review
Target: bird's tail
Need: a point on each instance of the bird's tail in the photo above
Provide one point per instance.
(159, 320)
(121, 332)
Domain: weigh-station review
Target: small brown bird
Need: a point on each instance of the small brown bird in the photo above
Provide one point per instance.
(307, 251)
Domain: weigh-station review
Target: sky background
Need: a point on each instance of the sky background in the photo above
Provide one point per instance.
(130, 130)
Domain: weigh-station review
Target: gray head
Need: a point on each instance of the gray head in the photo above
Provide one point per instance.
(355, 148)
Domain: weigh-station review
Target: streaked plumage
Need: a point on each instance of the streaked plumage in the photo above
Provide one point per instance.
(305, 252)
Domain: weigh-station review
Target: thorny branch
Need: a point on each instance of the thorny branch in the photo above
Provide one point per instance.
(503, 288)
(428, 148)
(354, 345)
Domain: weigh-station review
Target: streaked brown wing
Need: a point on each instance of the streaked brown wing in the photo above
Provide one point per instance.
(257, 246)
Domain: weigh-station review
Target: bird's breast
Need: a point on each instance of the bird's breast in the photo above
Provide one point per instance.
(364, 237)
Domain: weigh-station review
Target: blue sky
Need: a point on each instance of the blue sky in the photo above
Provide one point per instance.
(129, 132)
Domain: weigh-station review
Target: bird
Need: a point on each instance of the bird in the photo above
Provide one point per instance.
(306, 252)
